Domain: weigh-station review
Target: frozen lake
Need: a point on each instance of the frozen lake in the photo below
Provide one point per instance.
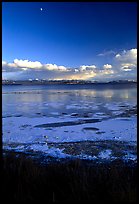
(60, 120)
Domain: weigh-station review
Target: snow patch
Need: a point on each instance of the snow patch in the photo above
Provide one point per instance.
(106, 154)
(130, 156)
(86, 157)
(112, 106)
(52, 152)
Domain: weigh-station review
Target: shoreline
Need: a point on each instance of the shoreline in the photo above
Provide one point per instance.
(106, 152)
(110, 83)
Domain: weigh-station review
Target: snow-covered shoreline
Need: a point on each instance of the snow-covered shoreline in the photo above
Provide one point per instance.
(22, 135)
(32, 122)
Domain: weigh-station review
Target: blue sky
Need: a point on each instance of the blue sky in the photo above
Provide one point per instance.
(70, 40)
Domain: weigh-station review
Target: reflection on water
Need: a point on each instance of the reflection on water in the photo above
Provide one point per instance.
(108, 93)
(125, 94)
(28, 100)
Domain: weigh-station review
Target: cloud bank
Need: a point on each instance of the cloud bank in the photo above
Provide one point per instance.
(127, 59)
(123, 66)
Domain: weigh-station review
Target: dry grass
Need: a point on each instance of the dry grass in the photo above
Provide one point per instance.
(72, 181)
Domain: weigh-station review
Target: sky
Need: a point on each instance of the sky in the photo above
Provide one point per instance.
(69, 40)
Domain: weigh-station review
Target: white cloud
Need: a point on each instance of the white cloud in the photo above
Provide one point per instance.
(127, 60)
(4, 63)
(55, 67)
(107, 66)
(118, 56)
(129, 56)
(50, 66)
(24, 68)
(128, 66)
(79, 75)
(76, 70)
(123, 65)
(62, 68)
(27, 63)
(12, 65)
(126, 69)
(108, 72)
(87, 67)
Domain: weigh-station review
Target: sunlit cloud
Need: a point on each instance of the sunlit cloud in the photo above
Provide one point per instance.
(27, 63)
(55, 67)
(129, 56)
(4, 63)
(127, 60)
(107, 66)
(123, 66)
(87, 67)
(128, 66)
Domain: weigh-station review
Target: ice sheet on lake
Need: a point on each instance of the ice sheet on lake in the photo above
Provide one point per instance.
(22, 130)
(26, 107)
(113, 107)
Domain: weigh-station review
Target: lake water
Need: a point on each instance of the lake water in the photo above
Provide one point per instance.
(57, 100)
(41, 118)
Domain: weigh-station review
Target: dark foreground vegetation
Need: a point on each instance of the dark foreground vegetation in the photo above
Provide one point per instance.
(72, 181)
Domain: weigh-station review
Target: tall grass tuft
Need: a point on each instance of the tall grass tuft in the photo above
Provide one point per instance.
(73, 181)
